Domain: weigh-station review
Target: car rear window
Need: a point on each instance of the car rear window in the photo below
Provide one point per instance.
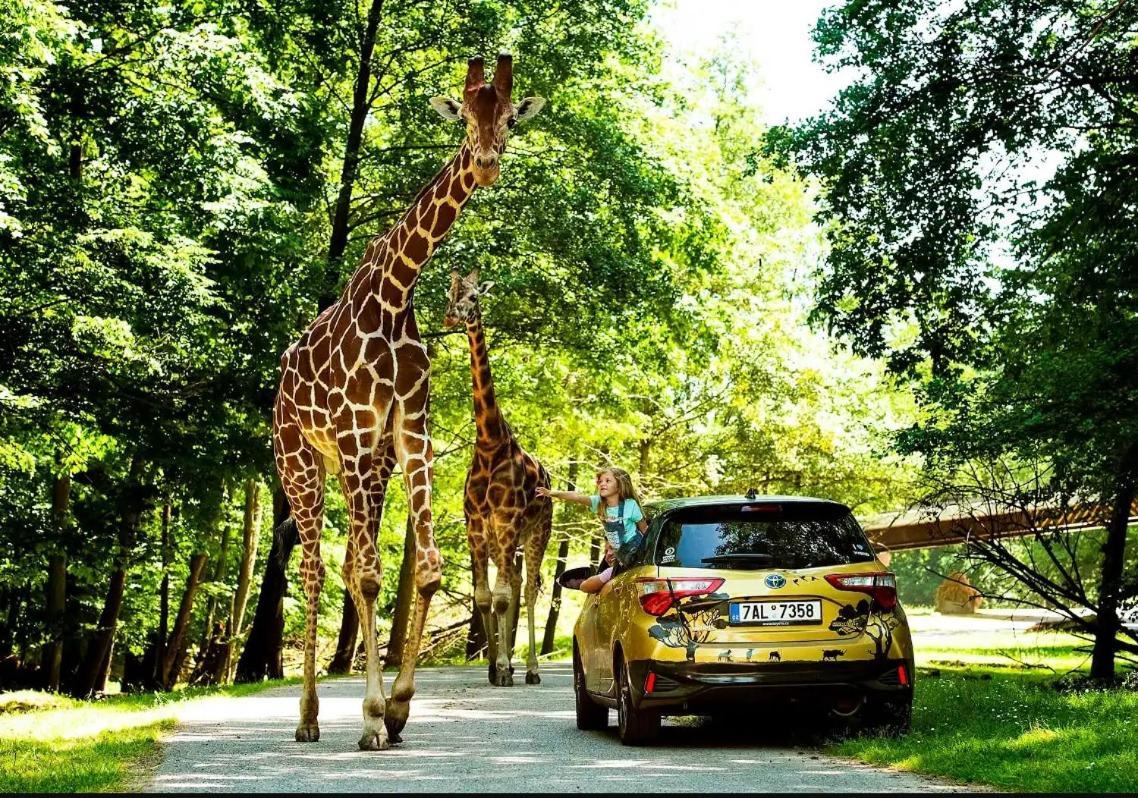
(799, 535)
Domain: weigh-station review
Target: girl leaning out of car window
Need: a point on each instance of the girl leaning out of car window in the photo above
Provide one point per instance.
(618, 509)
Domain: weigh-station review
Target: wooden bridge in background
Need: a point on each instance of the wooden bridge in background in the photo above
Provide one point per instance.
(918, 530)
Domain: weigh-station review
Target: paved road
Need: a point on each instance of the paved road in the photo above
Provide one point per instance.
(466, 736)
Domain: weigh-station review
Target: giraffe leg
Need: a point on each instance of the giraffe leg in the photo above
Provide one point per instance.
(535, 544)
(505, 607)
(415, 455)
(531, 599)
(494, 643)
(302, 476)
(363, 490)
(515, 606)
(476, 537)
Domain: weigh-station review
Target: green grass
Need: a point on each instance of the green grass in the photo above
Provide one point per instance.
(980, 716)
(50, 743)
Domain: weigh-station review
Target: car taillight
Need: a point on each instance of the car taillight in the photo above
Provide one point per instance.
(883, 587)
(658, 595)
(902, 676)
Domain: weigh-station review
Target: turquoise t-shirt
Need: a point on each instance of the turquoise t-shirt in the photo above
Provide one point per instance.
(632, 516)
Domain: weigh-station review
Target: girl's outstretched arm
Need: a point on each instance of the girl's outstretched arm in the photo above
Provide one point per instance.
(566, 495)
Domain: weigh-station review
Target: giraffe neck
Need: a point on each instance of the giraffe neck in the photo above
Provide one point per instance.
(492, 428)
(414, 238)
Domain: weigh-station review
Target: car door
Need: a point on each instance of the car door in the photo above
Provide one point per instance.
(586, 639)
(607, 622)
(616, 602)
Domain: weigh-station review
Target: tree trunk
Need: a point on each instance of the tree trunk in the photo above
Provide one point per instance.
(57, 583)
(144, 674)
(7, 602)
(404, 599)
(250, 538)
(175, 648)
(159, 656)
(341, 662)
(92, 675)
(93, 672)
(261, 657)
(361, 106)
(550, 634)
(1110, 581)
(56, 612)
(220, 570)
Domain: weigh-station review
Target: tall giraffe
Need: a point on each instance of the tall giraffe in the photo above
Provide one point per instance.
(501, 507)
(353, 402)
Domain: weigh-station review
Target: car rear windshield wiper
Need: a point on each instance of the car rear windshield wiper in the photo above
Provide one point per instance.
(739, 557)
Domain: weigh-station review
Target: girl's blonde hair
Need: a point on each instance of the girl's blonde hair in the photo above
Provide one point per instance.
(624, 487)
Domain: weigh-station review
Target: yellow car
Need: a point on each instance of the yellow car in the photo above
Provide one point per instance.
(735, 601)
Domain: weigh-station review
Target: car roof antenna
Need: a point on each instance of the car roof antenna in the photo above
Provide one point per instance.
(752, 494)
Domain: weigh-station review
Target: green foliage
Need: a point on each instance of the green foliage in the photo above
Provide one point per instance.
(168, 180)
(978, 200)
(951, 242)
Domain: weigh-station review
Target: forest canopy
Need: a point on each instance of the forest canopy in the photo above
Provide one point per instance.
(184, 185)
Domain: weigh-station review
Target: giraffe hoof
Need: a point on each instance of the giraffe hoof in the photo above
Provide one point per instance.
(492, 674)
(307, 733)
(504, 679)
(532, 678)
(374, 741)
(395, 718)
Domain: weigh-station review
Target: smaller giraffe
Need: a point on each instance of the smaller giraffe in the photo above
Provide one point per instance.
(501, 505)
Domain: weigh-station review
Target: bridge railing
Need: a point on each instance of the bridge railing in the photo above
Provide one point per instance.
(926, 528)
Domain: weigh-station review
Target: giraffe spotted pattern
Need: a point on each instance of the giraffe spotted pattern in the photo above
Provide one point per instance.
(501, 505)
(353, 402)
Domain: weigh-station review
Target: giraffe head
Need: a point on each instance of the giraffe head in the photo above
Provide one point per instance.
(462, 303)
(489, 114)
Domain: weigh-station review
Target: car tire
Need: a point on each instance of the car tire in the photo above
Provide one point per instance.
(891, 717)
(591, 716)
(637, 726)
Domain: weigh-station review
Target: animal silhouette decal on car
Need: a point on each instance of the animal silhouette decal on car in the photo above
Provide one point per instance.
(863, 618)
(691, 624)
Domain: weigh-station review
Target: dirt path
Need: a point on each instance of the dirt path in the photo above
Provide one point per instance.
(466, 736)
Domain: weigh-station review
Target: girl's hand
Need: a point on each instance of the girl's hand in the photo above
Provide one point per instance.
(543, 492)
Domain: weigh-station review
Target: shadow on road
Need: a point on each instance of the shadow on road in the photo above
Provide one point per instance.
(465, 735)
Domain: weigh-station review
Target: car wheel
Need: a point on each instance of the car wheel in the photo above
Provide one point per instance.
(590, 715)
(892, 717)
(637, 727)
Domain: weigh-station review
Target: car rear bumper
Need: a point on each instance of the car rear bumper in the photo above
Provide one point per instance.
(681, 687)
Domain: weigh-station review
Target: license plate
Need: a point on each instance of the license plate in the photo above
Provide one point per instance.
(776, 613)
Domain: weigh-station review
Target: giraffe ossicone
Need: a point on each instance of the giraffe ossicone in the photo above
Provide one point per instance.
(502, 509)
(353, 401)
